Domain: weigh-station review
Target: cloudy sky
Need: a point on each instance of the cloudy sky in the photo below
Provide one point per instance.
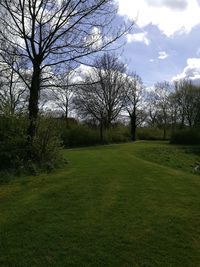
(165, 42)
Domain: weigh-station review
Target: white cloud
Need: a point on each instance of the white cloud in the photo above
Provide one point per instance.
(80, 72)
(138, 37)
(172, 4)
(95, 38)
(191, 71)
(169, 15)
(162, 55)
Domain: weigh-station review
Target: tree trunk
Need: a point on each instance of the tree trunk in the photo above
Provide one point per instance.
(133, 127)
(66, 107)
(165, 127)
(33, 102)
(164, 132)
(182, 121)
(101, 131)
(66, 115)
(190, 123)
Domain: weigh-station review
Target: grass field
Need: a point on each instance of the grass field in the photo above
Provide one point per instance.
(133, 205)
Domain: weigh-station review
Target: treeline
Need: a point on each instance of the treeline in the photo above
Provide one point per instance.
(176, 108)
(109, 105)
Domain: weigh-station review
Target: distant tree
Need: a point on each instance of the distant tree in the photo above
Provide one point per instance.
(174, 110)
(162, 103)
(62, 93)
(151, 109)
(179, 98)
(103, 95)
(133, 102)
(187, 97)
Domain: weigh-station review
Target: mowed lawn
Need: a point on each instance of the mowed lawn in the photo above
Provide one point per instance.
(133, 205)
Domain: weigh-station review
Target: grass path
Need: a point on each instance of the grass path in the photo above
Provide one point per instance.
(133, 205)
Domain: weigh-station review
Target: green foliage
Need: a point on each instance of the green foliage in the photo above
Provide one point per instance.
(117, 134)
(79, 135)
(12, 142)
(45, 148)
(14, 146)
(150, 134)
(186, 137)
(46, 145)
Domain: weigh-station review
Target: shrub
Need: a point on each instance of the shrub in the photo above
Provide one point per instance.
(46, 147)
(14, 146)
(118, 134)
(12, 142)
(79, 135)
(186, 137)
(150, 134)
(83, 135)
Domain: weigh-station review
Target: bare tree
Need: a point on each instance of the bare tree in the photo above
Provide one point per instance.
(13, 92)
(103, 95)
(179, 97)
(152, 111)
(161, 100)
(133, 102)
(89, 105)
(62, 94)
(173, 110)
(187, 97)
(50, 33)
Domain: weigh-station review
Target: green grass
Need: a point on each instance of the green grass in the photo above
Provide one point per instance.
(128, 205)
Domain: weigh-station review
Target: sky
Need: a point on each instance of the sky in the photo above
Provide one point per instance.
(165, 41)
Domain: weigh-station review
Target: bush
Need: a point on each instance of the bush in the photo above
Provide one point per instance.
(79, 135)
(150, 134)
(186, 137)
(14, 149)
(118, 134)
(46, 147)
(12, 142)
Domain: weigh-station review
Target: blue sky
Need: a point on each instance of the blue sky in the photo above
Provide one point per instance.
(165, 42)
